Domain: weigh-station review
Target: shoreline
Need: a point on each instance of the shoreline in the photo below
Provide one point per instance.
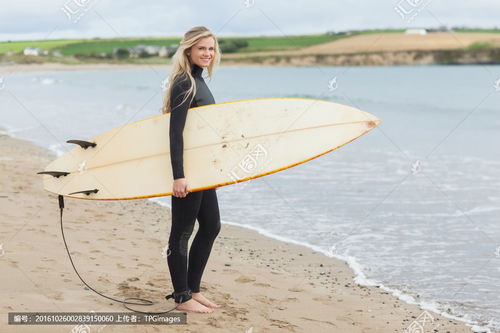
(48, 67)
(254, 260)
(386, 58)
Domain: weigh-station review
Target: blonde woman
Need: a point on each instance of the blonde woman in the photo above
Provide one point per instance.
(198, 50)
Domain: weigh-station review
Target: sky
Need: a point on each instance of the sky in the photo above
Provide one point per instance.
(61, 19)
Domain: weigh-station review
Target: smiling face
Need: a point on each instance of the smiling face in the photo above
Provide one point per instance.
(202, 53)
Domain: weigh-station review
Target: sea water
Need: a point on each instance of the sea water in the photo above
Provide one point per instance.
(413, 205)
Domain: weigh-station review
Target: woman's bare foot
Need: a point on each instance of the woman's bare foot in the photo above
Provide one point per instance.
(203, 300)
(193, 306)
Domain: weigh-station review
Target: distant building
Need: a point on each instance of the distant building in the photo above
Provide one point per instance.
(172, 48)
(416, 32)
(104, 55)
(339, 33)
(163, 52)
(443, 28)
(34, 51)
(149, 50)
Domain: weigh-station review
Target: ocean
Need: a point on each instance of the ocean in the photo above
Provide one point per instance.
(413, 206)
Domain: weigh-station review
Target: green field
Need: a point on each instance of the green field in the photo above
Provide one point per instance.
(107, 45)
(478, 30)
(90, 46)
(481, 46)
(74, 47)
(87, 47)
(44, 44)
(280, 43)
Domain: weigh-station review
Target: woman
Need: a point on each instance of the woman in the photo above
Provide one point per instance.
(198, 50)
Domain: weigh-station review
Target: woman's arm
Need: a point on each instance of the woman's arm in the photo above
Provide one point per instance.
(177, 121)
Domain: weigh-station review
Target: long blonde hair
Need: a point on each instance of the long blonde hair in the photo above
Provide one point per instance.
(181, 63)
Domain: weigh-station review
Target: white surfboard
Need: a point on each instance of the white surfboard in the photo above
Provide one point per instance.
(224, 143)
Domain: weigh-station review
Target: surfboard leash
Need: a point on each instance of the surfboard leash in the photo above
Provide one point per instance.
(125, 302)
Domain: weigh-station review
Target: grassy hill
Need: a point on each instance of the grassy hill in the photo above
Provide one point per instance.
(259, 49)
(70, 47)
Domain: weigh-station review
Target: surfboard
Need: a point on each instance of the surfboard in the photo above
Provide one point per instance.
(224, 143)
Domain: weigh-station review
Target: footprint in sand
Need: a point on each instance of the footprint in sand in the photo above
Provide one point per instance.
(230, 271)
(131, 290)
(346, 319)
(283, 325)
(58, 297)
(244, 279)
(329, 323)
(322, 299)
(264, 299)
(103, 279)
(47, 259)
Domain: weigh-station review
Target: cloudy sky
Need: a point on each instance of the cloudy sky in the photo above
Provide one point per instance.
(53, 19)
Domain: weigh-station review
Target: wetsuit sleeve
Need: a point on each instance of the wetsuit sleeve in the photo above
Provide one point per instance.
(177, 121)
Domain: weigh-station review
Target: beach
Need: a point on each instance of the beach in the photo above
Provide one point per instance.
(55, 67)
(262, 285)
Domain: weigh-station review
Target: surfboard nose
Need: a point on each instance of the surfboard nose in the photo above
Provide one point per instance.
(373, 122)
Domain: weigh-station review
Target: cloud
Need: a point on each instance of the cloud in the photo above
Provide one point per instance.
(33, 19)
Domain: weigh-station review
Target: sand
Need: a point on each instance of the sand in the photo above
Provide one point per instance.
(49, 67)
(262, 285)
(385, 42)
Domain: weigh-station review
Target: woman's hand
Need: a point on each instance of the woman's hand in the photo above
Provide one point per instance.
(180, 188)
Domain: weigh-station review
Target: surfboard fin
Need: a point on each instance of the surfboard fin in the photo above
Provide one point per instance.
(83, 144)
(87, 192)
(56, 174)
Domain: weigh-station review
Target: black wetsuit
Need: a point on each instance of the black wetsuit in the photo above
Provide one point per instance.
(201, 205)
